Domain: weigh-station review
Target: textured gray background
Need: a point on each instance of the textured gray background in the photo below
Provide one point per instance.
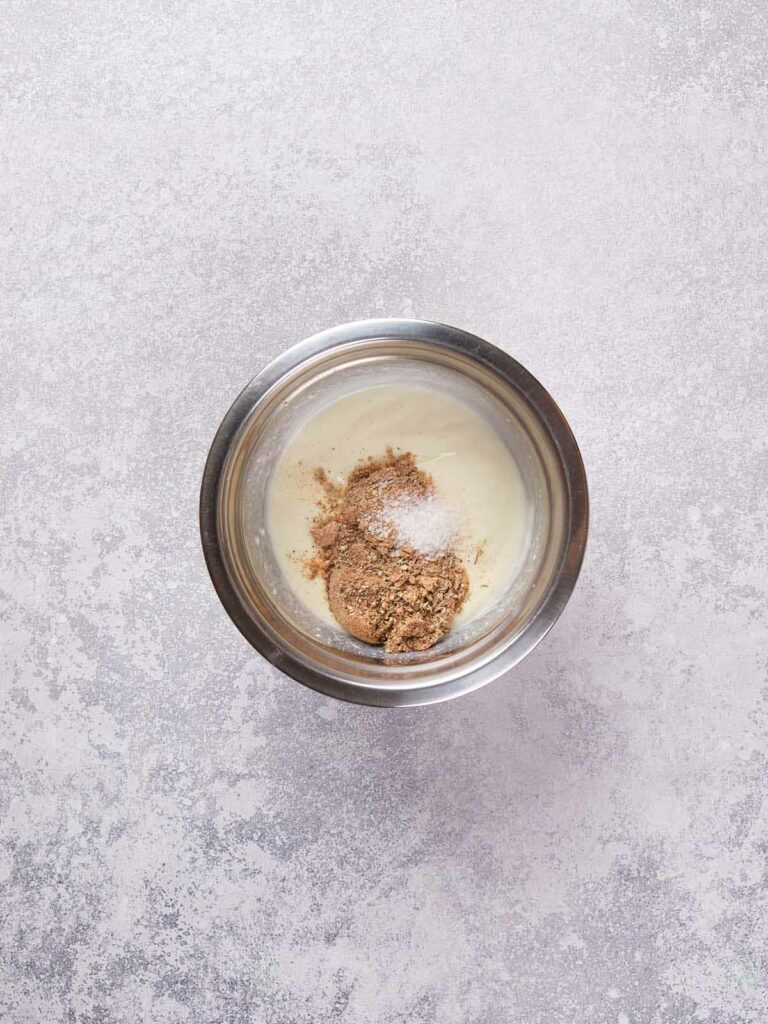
(187, 189)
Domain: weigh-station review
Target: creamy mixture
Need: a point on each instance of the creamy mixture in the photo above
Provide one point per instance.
(481, 493)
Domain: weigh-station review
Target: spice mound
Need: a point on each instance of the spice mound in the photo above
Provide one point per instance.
(384, 545)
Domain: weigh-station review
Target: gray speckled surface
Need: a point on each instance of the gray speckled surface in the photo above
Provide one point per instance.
(189, 837)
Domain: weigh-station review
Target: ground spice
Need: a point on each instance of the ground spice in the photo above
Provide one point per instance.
(381, 589)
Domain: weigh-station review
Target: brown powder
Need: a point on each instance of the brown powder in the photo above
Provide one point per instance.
(378, 590)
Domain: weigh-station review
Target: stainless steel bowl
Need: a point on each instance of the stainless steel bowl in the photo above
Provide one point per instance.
(236, 481)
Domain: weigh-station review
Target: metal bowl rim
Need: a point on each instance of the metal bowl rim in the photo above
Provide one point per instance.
(514, 375)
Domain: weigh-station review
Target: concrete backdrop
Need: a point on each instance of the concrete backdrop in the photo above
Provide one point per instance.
(188, 188)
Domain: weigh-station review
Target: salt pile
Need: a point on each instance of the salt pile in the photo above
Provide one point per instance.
(425, 524)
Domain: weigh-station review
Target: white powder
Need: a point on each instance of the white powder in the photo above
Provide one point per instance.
(427, 524)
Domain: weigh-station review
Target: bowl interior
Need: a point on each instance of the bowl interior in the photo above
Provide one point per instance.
(299, 395)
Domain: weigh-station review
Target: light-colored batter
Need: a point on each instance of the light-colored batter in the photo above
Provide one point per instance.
(473, 472)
